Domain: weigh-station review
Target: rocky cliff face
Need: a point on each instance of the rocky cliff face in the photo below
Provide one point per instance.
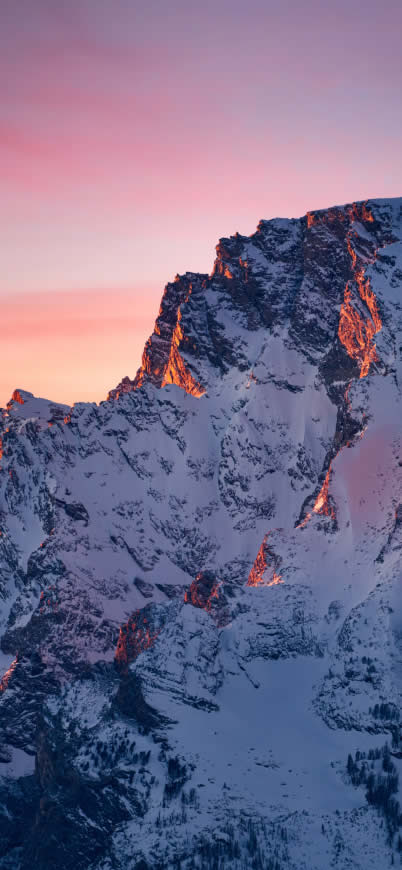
(200, 577)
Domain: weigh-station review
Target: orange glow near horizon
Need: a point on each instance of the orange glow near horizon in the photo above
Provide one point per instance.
(73, 346)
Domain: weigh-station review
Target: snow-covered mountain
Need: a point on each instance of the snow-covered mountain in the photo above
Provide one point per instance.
(201, 605)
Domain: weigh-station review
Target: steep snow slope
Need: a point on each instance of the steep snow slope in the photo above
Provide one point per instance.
(200, 577)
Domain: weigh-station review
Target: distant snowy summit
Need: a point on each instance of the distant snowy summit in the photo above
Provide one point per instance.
(24, 405)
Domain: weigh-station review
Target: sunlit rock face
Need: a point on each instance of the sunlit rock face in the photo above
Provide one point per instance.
(200, 577)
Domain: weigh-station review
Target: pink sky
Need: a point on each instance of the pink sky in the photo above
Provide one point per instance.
(133, 135)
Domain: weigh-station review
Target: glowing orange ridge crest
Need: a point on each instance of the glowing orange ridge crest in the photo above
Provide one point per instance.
(355, 331)
(176, 371)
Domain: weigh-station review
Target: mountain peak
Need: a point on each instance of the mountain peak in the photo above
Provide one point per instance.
(19, 396)
(200, 583)
(190, 344)
(23, 405)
